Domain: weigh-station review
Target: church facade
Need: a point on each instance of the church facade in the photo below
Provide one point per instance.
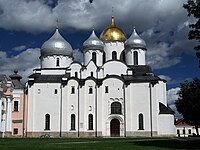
(113, 93)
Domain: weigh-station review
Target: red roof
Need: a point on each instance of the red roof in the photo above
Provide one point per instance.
(181, 122)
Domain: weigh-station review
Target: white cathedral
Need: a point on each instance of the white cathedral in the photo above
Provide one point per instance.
(113, 93)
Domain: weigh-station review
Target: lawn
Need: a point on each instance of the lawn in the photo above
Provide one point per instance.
(100, 143)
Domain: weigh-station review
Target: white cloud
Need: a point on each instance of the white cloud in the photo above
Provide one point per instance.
(19, 48)
(2, 54)
(78, 55)
(160, 56)
(167, 78)
(25, 62)
(172, 96)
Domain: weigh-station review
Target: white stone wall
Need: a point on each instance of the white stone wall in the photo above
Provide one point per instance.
(114, 68)
(140, 103)
(43, 100)
(50, 61)
(53, 72)
(113, 46)
(166, 125)
(115, 94)
(75, 67)
(130, 56)
(88, 57)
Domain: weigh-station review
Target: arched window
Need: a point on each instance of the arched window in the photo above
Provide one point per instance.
(91, 74)
(72, 90)
(90, 122)
(90, 90)
(47, 122)
(104, 57)
(122, 57)
(178, 131)
(189, 131)
(116, 108)
(141, 121)
(94, 57)
(114, 55)
(57, 62)
(135, 55)
(76, 74)
(73, 122)
(183, 131)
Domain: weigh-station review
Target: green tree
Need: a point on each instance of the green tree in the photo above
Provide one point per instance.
(188, 103)
(193, 8)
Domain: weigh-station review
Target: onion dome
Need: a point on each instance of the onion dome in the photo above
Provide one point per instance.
(113, 33)
(93, 42)
(56, 45)
(135, 41)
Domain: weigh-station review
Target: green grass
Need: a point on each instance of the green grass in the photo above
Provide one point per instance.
(100, 144)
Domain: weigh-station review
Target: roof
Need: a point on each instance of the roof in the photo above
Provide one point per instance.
(181, 122)
(3, 77)
(16, 80)
(139, 70)
(140, 74)
(135, 41)
(46, 78)
(17, 84)
(56, 45)
(165, 109)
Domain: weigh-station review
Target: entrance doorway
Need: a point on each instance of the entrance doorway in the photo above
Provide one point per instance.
(114, 128)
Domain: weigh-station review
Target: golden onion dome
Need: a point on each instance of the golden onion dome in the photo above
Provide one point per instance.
(113, 33)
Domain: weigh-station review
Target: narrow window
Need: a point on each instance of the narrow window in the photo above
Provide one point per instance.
(47, 122)
(183, 131)
(73, 122)
(141, 122)
(92, 74)
(123, 56)
(16, 104)
(94, 57)
(56, 91)
(39, 91)
(15, 131)
(57, 62)
(90, 122)
(114, 55)
(90, 90)
(178, 131)
(76, 74)
(72, 90)
(106, 89)
(189, 131)
(116, 108)
(104, 57)
(135, 53)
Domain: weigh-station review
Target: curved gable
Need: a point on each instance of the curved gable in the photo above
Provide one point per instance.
(114, 68)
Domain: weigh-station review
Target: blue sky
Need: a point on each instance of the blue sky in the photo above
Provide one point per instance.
(26, 24)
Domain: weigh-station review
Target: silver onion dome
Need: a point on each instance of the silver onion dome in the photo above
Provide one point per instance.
(135, 41)
(56, 45)
(93, 42)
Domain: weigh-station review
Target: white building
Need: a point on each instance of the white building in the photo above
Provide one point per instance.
(6, 88)
(185, 130)
(113, 93)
